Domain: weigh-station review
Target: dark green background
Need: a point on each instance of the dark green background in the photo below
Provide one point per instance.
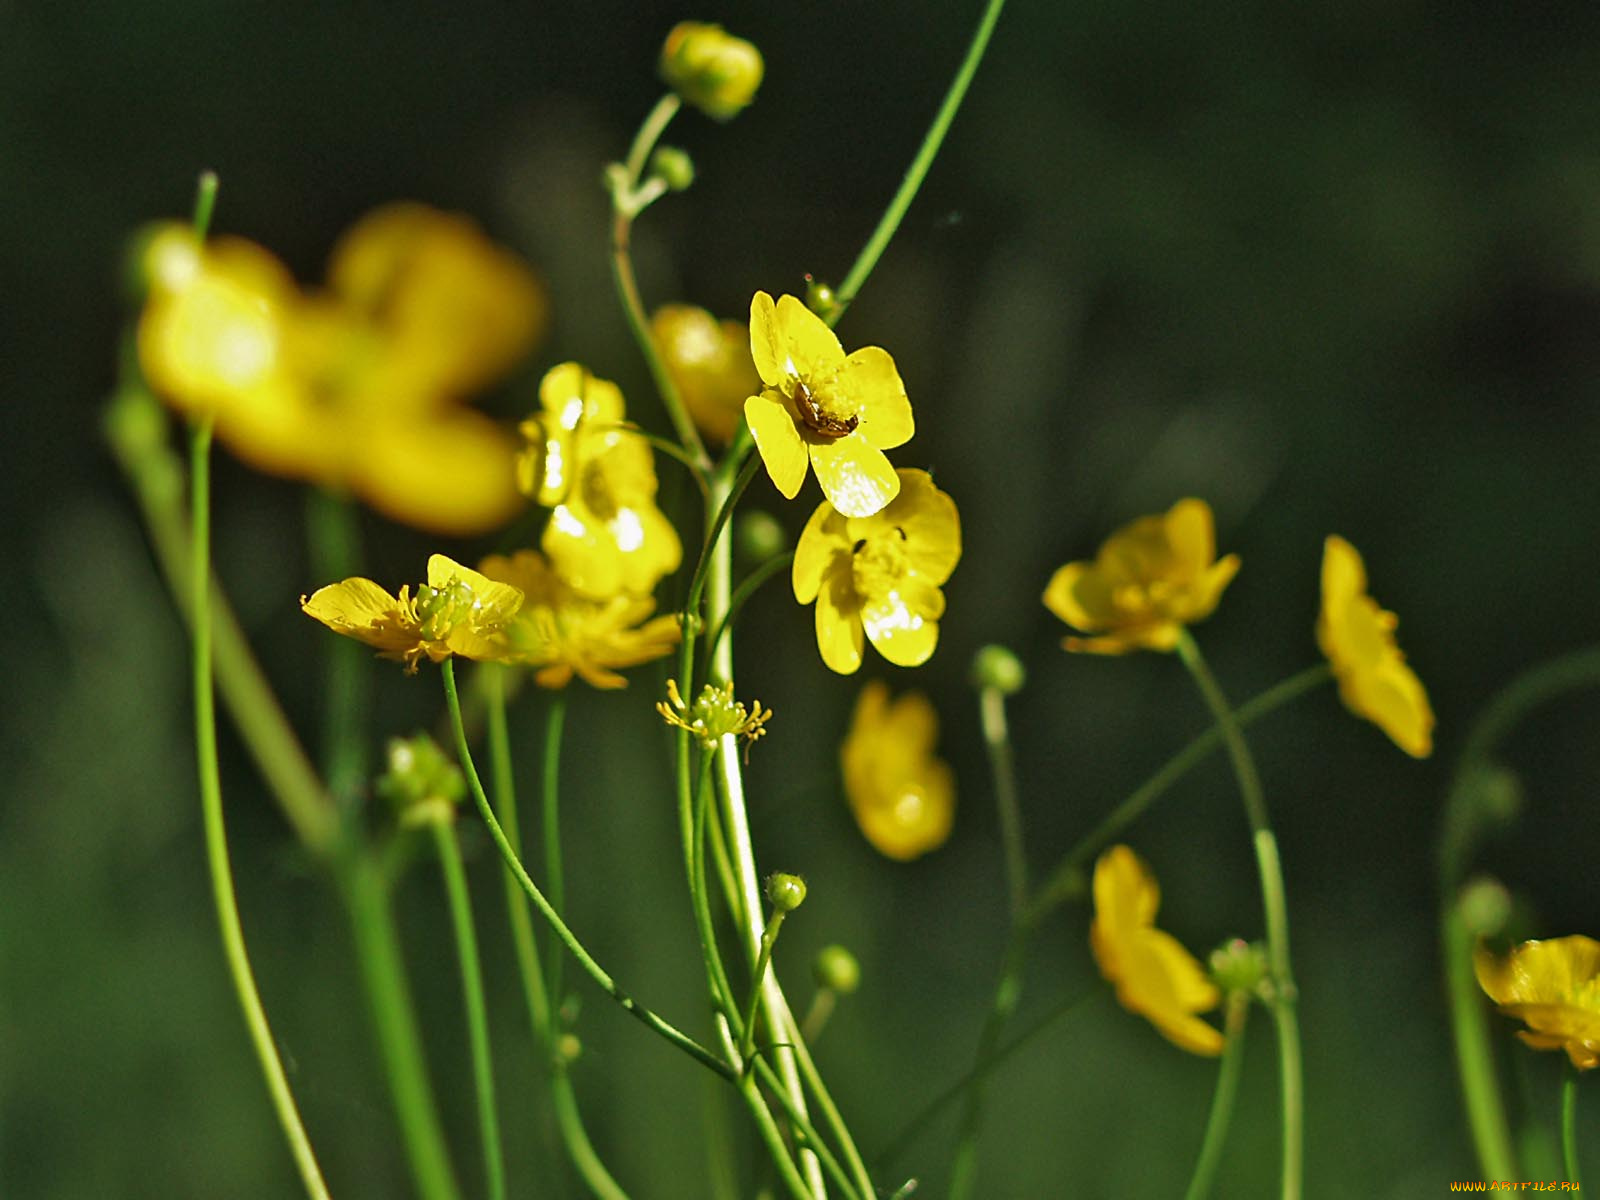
(1334, 267)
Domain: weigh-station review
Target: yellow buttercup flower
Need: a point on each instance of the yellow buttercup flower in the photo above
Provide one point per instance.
(357, 388)
(606, 535)
(712, 70)
(1554, 987)
(818, 407)
(561, 633)
(458, 611)
(1150, 578)
(1358, 639)
(878, 577)
(709, 360)
(1154, 975)
(902, 796)
(715, 715)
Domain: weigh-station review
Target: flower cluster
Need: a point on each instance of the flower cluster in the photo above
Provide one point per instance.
(903, 797)
(357, 387)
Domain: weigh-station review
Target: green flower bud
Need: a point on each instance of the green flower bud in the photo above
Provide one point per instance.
(673, 167)
(420, 781)
(757, 536)
(820, 298)
(787, 892)
(996, 667)
(1496, 794)
(1239, 966)
(712, 70)
(1484, 905)
(836, 969)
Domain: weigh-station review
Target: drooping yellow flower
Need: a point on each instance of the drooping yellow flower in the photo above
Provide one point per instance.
(1150, 578)
(878, 577)
(359, 387)
(1358, 639)
(709, 360)
(712, 70)
(818, 407)
(458, 611)
(559, 632)
(902, 796)
(1154, 975)
(605, 536)
(1554, 987)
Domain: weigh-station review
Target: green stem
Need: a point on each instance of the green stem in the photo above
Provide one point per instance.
(205, 203)
(1066, 878)
(1284, 997)
(769, 938)
(717, 983)
(1569, 1124)
(809, 1137)
(1474, 1050)
(216, 836)
(1222, 1100)
(569, 1119)
(593, 969)
(460, 900)
(394, 1019)
(1007, 994)
(747, 588)
(830, 1111)
(555, 717)
(918, 170)
(997, 741)
(335, 545)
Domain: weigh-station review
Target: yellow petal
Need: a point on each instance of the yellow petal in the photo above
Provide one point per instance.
(1344, 576)
(1077, 593)
(931, 525)
(809, 348)
(779, 441)
(1393, 699)
(454, 474)
(767, 349)
(494, 599)
(904, 625)
(1126, 895)
(573, 394)
(1191, 535)
(821, 544)
(839, 634)
(1207, 590)
(868, 385)
(361, 609)
(855, 476)
(913, 817)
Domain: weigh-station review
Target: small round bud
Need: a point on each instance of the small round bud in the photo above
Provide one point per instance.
(1238, 966)
(568, 1047)
(420, 781)
(787, 892)
(996, 667)
(820, 298)
(757, 536)
(165, 256)
(673, 167)
(836, 969)
(1484, 905)
(1496, 794)
(712, 70)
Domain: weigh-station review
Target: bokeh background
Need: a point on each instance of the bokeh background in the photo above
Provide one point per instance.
(1335, 268)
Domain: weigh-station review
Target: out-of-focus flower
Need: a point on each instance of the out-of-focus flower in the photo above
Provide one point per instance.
(1151, 578)
(902, 796)
(1154, 975)
(605, 535)
(1358, 639)
(458, 611)
(878, 577)
(818, 407)
(714, 715)
(710, 69)
(1552, 986)
(710, 362)
(359, 387)
(560, 633)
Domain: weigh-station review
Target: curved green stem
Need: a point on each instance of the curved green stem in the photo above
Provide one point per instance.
(593, 969)
(550, 807)
(1569, 1124)
(460, 900)
(918, 170)
(1222, 1100)
(1270, 870)
(563, 1098)
(216, 837)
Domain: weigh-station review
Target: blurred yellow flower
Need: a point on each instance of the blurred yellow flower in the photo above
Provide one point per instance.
(356, 388)
(1358, 639)
(560, 633)
(820, 408)
(606, 535)
(878, 577)
(1554, 987)
(902, 796)
(458, 611)
(1150, 578)
(1154, 975)
(712, 70)
(709, 360)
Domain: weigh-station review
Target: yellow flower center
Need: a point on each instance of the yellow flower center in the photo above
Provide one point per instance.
(879, 562)
(440, 610)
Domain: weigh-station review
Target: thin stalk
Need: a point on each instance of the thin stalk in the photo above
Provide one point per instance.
(1474, 1050)
(997, 741)
(569, 1118)
(1270, 870)
(550, 807)
(809, 1137)
(1569, 1124)
(830, 1111)
(593, 969)
(334, 538)
(747, 588)
(1007, 994)
(216, 837)
(1222, 1100)
(717, 982)
(460, 901)
(769, 938)
(918, 170)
